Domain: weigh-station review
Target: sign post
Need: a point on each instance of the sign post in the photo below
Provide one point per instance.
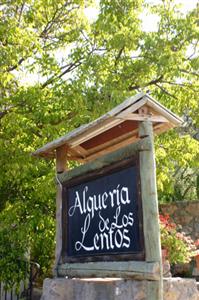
(107, 208)
(150, 210)
(102, 218)
(61, 160)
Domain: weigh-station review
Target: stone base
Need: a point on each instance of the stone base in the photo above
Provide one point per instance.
(195, 272)
(115, 289)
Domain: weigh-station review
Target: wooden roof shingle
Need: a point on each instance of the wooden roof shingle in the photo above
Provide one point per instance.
(113, 130)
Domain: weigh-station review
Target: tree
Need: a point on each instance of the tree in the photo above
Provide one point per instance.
(85, 68)
(30, 33)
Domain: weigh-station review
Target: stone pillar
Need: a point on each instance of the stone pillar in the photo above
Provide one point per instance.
(115, 289)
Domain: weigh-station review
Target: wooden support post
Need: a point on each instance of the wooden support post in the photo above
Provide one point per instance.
(150, 210)
(125, 269)
(61, 160)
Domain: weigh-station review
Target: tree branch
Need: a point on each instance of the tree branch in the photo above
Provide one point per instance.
(194, 50)
(9, 69)
(5, 111)
(56, 18)
(189, 72)
(165, 91)
(119, 55)
(21, 11)
(154, 81)
(186, 191)
(70, 68)
(189, 86)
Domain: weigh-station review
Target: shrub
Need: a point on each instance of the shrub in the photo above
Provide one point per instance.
(179, 246)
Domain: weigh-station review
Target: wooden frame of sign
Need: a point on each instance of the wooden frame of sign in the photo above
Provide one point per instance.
(144, 264)
(110, 226)
(128, 130)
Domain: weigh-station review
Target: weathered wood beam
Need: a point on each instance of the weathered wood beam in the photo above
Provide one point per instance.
(125, 269)
(92, 132)
(113, 141)
(153, 290)
(150, 209)
(164, 111)
(128, 151)
(133, 108)
(111, 148)
(145, 117)
(61, 154)
(81, 151)
(61, 160)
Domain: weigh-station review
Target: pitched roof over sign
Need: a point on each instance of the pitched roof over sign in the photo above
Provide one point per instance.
(115, 129)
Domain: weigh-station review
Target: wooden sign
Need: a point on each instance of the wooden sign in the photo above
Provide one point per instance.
(102, 215)
(108, 206)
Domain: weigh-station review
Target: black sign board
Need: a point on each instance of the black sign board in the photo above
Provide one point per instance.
(102, 216)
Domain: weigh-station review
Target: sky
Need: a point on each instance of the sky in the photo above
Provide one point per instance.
(150, 21)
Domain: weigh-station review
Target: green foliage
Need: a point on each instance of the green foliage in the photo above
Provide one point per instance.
(180, 248)
(60, 69)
